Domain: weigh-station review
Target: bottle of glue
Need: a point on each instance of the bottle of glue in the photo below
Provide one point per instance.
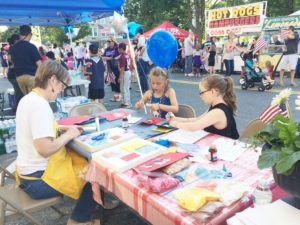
(213, 153)
(97, 122)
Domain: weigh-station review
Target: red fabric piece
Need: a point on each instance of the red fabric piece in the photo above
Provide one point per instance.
(167, 26)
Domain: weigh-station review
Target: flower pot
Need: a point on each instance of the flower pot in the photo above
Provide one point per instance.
(291, 183)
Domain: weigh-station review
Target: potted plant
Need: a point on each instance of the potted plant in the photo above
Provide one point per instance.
(281, 149)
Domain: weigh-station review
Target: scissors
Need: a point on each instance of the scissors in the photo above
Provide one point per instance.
(99, 137)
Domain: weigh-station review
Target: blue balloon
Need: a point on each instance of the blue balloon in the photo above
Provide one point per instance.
(162, 48)
(133, 28)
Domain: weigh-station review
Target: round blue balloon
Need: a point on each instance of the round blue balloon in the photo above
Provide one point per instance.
(162, 48)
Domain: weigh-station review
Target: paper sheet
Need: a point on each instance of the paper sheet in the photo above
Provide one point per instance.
(133, 145)
(162, 129)
(277, 213)
(185, 137)
(133, 119)
(228, 149)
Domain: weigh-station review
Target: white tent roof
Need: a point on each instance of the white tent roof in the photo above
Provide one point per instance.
(297, 13)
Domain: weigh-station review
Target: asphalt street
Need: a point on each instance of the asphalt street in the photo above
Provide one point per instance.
(250, 104)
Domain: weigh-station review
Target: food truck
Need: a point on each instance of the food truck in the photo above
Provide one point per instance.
(272, 26)
(243, 20)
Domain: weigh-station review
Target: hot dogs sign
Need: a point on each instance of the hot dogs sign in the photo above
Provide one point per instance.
(238, 19)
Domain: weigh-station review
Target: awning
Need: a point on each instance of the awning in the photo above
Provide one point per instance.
(55, 12)
(167, 26)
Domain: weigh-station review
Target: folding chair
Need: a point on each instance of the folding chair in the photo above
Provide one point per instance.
(251, 128)
(15, 202)
(185, 111)
(89, 109)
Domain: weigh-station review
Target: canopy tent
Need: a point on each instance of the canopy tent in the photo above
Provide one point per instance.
(167, 26)
(55, 12)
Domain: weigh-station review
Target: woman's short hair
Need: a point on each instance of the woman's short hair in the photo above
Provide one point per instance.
(46, 70)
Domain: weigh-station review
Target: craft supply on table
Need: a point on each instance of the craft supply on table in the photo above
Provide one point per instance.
(115, 115)
(262, 193)
(125, 124)
(177, 166)
(157, 184)
(129, 154)
(185, 137)
(213, 152)
(193, 198)
(96, 141)
(97, 122)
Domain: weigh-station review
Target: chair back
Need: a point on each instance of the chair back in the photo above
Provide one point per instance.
(252, 127)
(89, 109)
(185, 111)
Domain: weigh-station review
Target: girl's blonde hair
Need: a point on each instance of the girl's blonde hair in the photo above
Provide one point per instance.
(161, 73)
(225, 87)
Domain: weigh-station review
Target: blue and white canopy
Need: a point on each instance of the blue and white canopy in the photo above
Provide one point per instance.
(55, 12)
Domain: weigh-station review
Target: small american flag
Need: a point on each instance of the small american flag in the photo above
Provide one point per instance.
(284, 33)
(273, 111)
(111, 78)
(260, 43)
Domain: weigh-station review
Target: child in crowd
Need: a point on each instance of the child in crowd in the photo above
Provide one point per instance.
(212, 59)
(217, 92)
(269, 69)
(204, 58)
(70, 60)
(125, 76)
(197, 60)
(162, 98)
(94, 67)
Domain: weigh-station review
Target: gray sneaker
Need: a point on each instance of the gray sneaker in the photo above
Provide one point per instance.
(293, 84)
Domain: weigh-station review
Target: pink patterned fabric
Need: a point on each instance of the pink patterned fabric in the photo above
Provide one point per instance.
(163, 209)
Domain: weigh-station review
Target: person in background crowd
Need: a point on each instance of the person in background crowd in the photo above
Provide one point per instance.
(42, 53)
(204, 59)
(143, 61)
(111, 56)
(197, 60)
(228, 53)
(70, 61)
(79, 53)
(4, 64)
(57, 52)
(290, 56)
(45, 168)
(11, 71)
(26, 58)
(162, 97)
(94, 67)
(275, 40)
(217, 92)
(125, 76)
(297, 72)
(212, 58)
(188, 52)
(51, 55)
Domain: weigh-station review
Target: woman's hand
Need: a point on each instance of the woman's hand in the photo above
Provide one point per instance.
(170, 116)
(73, 132)
(139, 104)
(173, 123)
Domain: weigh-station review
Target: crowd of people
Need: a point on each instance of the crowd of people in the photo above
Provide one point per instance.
(44, 167)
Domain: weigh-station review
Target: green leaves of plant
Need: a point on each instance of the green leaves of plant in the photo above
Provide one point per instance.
(285, 163)
(267, 159)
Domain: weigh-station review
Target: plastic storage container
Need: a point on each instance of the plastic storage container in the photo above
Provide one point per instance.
(262, 194)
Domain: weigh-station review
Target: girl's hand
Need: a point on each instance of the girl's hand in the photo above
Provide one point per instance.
(173, 123)
(139, 104)
(154, 107)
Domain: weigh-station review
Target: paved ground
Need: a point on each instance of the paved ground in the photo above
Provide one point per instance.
(250, 104)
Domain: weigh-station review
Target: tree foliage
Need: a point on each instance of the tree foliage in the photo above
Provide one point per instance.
(191, 13)
(8, 33)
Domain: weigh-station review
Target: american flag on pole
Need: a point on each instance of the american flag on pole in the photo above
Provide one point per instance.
(269, 113)
(111, 78)
(284, 33)
(260, 43)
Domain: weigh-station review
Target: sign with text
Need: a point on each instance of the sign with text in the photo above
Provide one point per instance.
(235, 19)
(277, 23)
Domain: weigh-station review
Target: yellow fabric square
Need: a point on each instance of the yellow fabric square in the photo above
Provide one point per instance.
(133, 145)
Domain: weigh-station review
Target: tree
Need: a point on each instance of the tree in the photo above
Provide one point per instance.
(8, 33)
(53, 35)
